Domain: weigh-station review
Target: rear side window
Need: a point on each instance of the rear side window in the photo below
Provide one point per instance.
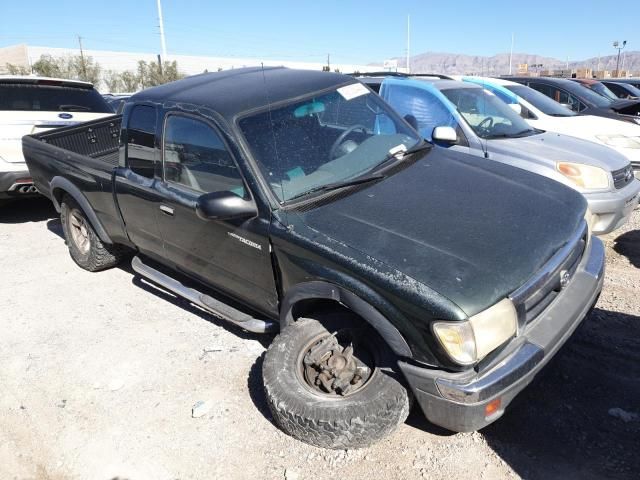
(50, 98)
(195, 156)
(142, 155)
(428, 112)
(560, 96)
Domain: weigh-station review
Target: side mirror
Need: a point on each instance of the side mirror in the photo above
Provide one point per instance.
(567, 105)
(516, 107)
(224, 206)
(445, 134)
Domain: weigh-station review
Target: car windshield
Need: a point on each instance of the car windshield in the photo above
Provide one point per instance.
(488, 116)
(541, 101)
(325, 139)
(585, 94)
(602, 89)
(51, 98)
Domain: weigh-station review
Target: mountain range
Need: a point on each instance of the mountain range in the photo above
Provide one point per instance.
(453, 63)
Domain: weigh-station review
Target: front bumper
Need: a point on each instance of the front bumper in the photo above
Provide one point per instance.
(611, 210)
(458, 401)
(16, 184)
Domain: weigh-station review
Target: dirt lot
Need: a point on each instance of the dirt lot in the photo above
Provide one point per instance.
(99, 373)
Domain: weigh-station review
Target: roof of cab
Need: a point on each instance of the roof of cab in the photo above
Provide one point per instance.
(232, 92)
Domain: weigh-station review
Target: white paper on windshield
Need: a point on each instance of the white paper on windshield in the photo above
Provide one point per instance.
(352, 91)
(398, 149)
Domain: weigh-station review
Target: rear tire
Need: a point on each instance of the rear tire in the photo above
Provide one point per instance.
(353, 420)
(85, 247)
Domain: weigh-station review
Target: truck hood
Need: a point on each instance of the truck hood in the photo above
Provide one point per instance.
(15, 124)
(471, 229)
(548, 148)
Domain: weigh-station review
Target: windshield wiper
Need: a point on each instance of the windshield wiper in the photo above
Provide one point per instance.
(74, 108)
(337, 185)
(521, 133)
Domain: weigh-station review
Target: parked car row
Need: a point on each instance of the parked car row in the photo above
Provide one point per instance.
(406, 236)
(472, 117)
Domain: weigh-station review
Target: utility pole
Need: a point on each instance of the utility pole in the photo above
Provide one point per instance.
(82, 63)
(511, 54)
(408, 43)
(617, 46)
(328, 62)
(163, 43)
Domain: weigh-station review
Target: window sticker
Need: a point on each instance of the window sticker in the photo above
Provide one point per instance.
(352, 91)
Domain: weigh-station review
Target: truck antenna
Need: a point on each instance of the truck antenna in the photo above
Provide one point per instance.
(273, 133)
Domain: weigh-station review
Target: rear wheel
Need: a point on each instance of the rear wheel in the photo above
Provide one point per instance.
(85, 247)
(333, 384)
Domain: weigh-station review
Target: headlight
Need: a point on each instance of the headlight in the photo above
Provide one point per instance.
(470, 341)
(620, 141)
(584, 176)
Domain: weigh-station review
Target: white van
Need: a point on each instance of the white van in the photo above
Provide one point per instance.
(30, 104)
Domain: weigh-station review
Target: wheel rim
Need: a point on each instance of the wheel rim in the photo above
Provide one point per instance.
(336, 365)
(79, 232)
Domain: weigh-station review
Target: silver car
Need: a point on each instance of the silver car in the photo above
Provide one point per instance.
(468, 118)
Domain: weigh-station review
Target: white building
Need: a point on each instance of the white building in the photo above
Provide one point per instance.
(25, 55)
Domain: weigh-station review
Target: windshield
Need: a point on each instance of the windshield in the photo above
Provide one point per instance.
(588, 95)
(541, 101)
(49, 98)
(488, 116)
(602, 89)
(326, 139)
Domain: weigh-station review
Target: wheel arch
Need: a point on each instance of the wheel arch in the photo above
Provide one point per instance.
(60, 187)
(328, 293)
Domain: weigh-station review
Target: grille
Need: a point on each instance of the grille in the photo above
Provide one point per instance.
(622, 177)
(542, 289)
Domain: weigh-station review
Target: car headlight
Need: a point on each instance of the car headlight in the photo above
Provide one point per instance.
(584, 176)
(620, 141)
(470, 341)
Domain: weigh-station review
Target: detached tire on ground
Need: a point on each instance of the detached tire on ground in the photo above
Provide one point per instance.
(85, 247)
(314, 394)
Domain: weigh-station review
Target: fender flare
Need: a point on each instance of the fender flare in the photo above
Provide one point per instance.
(330, 291)
(74, 192)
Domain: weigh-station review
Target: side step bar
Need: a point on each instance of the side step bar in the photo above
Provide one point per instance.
(206, 302)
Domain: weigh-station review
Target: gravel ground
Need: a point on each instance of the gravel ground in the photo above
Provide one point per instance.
(99, 374)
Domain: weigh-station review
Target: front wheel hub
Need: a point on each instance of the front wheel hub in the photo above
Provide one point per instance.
(331, 366)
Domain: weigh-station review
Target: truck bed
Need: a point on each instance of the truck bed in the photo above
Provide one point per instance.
(79, 160)
(98, 139)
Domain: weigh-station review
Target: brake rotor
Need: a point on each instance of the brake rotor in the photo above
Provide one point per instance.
(333, 368)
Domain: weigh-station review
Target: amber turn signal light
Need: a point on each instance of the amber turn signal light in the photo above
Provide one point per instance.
(492, 407)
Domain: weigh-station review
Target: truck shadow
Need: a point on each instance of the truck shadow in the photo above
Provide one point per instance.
(27, 210)
(570, 423)
(628, 245)
(264, 339)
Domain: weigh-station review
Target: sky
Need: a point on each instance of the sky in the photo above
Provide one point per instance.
(351, 31)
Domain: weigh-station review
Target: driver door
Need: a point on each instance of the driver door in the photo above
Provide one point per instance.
(230, 255)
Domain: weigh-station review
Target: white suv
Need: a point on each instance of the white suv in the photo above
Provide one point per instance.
(30, 104)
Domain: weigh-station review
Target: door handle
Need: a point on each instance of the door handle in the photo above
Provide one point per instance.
(166, 210)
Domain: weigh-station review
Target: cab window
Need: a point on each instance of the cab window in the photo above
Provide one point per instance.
(196, 157)
(141, 152)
